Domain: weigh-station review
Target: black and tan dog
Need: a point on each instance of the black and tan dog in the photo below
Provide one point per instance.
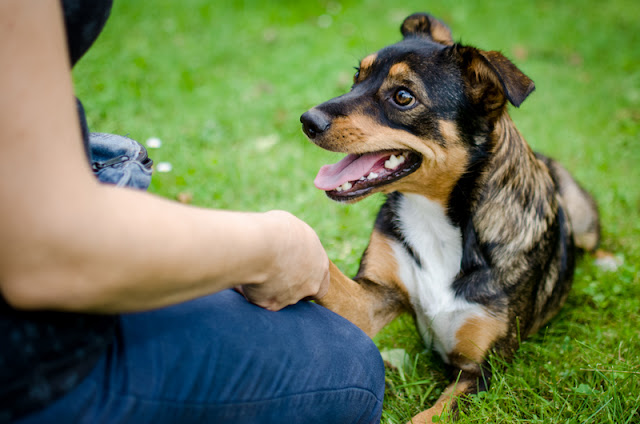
(478, 234)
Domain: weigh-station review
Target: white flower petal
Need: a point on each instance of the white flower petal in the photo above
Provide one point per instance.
(154, 143)
(164, 167)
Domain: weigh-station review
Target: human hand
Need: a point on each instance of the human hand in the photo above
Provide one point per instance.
(299, 268)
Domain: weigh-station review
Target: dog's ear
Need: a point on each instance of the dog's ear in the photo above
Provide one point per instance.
(424, 25)
(492, 78)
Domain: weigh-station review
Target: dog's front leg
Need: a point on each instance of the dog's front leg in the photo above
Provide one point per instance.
(447, 403)
(368, 305)
(476, 337)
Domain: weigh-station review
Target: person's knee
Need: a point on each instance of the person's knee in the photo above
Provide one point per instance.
(372, 360)
(355, 355)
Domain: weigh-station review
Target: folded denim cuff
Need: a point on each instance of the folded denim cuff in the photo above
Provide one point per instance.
(119, 160)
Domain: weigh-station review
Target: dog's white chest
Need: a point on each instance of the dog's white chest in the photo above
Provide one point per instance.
(438, 245)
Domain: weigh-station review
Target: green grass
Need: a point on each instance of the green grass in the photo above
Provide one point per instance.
(223, 86)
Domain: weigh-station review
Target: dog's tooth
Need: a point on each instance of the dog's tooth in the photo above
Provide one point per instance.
(388, 164)
(347, 186)
(391, 163)
(401, 159)
(372, 176)
(339, 189)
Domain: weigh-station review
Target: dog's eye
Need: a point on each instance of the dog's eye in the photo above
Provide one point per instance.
(404, 98)
(356, 75)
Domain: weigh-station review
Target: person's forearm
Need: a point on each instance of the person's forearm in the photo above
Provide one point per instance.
(118, 250)
(69, 243)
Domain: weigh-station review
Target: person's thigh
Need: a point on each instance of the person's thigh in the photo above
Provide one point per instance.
(221, 359)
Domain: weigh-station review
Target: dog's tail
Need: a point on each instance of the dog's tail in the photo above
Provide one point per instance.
(580, 205)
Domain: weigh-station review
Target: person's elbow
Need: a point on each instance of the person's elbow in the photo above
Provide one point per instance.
(30, 291)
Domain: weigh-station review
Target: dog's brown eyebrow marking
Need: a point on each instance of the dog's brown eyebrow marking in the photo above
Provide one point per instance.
(368, 61)
(398, 70)
(365, 66)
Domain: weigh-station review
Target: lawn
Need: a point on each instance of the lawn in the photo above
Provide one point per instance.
(222, 85)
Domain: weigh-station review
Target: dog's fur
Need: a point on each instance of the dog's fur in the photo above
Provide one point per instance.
(477, 237)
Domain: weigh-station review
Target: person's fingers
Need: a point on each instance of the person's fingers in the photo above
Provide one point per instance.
(300, 267)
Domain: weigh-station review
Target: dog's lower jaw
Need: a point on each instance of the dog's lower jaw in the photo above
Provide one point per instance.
(354, 197)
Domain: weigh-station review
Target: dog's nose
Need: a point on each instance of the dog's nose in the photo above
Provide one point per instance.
(314, 122)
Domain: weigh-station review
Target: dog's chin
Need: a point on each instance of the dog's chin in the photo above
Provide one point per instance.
(363, 188)
(351, 197)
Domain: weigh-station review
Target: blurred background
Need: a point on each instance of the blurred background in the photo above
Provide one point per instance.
(215, 90)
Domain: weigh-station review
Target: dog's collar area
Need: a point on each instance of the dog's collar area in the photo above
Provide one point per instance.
(356, 176)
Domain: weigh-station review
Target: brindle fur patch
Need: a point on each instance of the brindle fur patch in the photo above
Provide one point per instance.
(581, 207)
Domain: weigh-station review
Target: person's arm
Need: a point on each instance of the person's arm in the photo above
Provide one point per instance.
(70, 243)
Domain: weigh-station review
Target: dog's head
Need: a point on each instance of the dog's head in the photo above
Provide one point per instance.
(420, 112)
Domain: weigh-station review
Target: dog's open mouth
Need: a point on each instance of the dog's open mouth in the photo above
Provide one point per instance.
(357, 175)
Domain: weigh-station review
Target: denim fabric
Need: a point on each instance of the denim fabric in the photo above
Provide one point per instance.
(220, 359)
(119, 160)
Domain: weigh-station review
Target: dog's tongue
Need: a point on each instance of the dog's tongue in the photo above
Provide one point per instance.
(350, 168)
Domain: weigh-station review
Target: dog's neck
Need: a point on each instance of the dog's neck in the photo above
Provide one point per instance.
(510, 150)
(514, 184)
(501, 153)
(512, 161)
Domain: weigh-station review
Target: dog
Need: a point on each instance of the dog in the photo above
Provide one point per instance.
(478, 235)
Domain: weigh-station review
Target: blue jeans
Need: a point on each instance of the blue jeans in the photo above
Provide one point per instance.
(220, 359)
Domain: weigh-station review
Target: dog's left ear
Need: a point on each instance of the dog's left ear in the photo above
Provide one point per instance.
(424, 25)
(488, 71)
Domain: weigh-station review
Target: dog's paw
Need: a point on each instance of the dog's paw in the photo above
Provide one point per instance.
(427, 417)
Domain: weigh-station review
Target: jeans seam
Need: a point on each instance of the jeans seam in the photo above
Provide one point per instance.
(239, 403)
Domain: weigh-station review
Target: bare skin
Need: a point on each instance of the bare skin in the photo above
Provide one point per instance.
(70, 243)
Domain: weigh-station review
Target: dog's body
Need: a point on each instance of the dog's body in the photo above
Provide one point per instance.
(477, 235)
